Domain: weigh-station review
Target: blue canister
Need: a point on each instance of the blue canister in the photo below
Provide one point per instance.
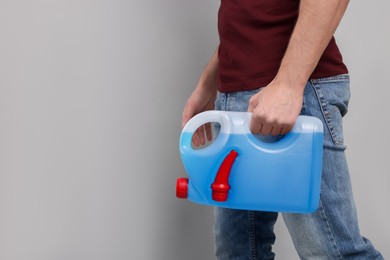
(238, 170)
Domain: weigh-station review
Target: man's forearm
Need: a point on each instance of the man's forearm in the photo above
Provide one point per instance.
(203, 97)
(316, 24)
(208, 78)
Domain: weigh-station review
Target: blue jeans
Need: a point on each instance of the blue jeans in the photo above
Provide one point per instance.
(332, 231)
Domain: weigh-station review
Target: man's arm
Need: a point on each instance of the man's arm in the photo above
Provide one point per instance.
(203, 99)
(276, 108)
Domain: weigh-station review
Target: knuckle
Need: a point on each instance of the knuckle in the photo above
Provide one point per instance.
(272, 120)
(255, 118)
(259, 114)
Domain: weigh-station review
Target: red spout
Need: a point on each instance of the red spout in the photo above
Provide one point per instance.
(221, 186)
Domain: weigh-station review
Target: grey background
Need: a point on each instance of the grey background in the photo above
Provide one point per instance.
(91, 94)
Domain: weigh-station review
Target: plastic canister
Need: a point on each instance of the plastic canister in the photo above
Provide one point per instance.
(239, 170)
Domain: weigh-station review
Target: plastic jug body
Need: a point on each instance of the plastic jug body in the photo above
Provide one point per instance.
(282, 176)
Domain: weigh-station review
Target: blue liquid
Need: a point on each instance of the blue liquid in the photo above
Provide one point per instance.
(283, 176)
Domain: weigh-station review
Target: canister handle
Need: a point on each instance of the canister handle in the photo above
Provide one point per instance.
(203, 118)
(303, 124)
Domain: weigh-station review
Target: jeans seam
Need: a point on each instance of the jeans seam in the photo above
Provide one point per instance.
(228, 102)
(304, 109)
(225, 101)
(252, 231)
(325, 114)
(332, 237)
(332, 78)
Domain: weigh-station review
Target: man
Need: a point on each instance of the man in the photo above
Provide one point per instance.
(278, 59)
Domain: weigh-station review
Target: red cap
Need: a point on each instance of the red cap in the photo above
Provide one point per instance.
(182, 188)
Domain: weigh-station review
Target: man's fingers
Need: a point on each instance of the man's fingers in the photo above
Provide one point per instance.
(195, 139)
(266, 129)
(255, 125)
(261, 126)
(201, 135)
(285, 130)
(276, 130)
(208, 130)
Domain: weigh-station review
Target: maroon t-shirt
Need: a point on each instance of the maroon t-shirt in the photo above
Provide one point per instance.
(254, 35)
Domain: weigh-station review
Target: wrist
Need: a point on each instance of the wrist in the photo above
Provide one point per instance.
(288, 85)
(292, 78)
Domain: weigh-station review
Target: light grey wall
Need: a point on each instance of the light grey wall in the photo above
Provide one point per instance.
(91, 94)
(365, 39)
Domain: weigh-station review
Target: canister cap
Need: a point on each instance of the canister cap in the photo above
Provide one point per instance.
(182, 188)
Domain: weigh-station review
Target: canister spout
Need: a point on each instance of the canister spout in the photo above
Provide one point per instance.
(221, 187)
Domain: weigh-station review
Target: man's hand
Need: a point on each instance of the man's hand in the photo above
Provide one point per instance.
(275, 109)
(202, 99)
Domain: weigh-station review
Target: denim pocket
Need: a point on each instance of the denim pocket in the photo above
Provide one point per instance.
(333, 95)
